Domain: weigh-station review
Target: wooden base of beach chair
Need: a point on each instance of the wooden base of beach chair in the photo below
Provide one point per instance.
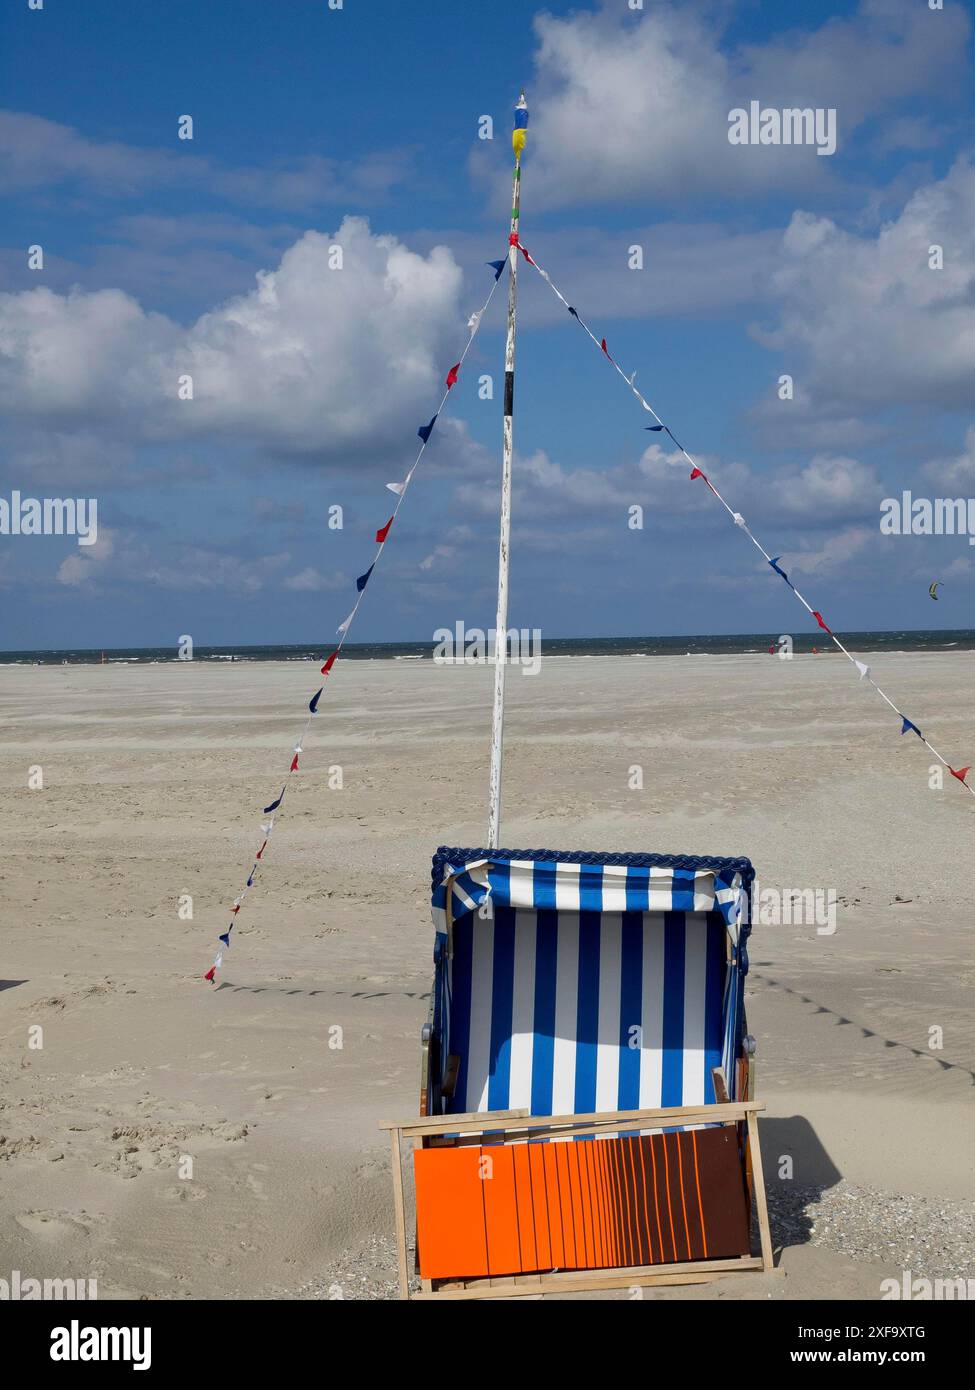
(589, 1281)
(465, 1142)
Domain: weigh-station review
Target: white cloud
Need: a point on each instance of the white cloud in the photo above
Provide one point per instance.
(37, 153)
(327, 362)
(824, 492)
(957, 472)
(632, 104)
(875, 325)
(311, 580)
(83, 566)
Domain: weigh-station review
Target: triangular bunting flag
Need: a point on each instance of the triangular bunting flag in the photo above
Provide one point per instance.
(573, 312)
(261, 850)
(425, 431)
(398, 488)
(344, 627)
(908, 725)
(781, 572)
(605, 348)
(325, 670)
(294, 764)
(739, 519)
(274, 804)
(363, 579)
(250, 881)
(525, 254)
(819, 620)
(313, 702)
(696, 473)
(452, 375)
(862, 667)
(655, 428)
(225, 938)
(474, 320)
(961, 774)
(210, 973)
(497, 267)
(383, 532)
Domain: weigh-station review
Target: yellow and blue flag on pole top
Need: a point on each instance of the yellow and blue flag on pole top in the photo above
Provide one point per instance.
(520, 133)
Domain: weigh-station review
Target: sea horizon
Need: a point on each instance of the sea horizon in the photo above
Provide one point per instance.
(684, 644)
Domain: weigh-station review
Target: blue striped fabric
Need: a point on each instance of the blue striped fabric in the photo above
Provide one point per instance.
(566, 988)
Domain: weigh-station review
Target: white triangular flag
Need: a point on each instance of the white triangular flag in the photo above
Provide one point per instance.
(218, 960)
(474, 320)
(739, 519)
(862, 667)
(399, 489)
(344, 627)
(267, 827)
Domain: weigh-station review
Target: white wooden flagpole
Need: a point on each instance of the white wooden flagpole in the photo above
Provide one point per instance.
(501, 620)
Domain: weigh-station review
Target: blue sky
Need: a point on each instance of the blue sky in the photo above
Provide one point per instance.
(359, 127)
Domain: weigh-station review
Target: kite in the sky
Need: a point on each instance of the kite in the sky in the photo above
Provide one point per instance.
(931, 591)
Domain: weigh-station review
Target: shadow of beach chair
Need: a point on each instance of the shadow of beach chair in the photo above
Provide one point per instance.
(582, 997)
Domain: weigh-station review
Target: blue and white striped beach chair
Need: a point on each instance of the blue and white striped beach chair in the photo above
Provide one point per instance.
(591, 996)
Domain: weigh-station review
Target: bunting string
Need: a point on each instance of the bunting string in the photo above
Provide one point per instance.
(399, 489)
(907, 726)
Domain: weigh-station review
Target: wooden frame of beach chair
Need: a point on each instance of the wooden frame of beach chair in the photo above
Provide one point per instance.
(544, 960)
(493, 1130)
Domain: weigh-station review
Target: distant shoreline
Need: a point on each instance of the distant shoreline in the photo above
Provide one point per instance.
(735, 644)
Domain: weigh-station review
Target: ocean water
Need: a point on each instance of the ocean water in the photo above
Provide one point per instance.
(962, 639)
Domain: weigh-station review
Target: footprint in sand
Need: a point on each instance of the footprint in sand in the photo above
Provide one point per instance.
(50, 1225)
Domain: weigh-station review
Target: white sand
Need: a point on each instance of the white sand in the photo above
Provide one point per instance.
(153, 782)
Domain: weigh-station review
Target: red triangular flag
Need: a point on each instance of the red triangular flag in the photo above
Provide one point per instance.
(819, 619)
(605, 348)
(961, 774)
(329, 664)
(235, 910)
(260, 851)
(210, 973)
(696, 473)
(294, 764)
(525, 254)
(383, 531)
(452, 375)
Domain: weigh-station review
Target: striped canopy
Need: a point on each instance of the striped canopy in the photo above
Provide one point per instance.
(570, 983)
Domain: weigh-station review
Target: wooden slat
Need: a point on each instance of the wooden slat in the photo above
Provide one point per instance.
(577, 1281)
(399, 1211)
(495, 1119)
(761, 1207)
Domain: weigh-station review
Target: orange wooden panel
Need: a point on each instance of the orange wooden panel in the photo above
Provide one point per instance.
(590, 1204)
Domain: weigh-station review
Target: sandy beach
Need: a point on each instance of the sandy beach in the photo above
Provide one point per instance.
(153, 780)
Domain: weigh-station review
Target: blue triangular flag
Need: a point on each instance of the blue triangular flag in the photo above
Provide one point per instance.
(274, 804)
(497, 267)
(363, 579)
(653, 427)
(775, 566)
(425, 431)
(908, 725)
(573, 312)
(250, 881)
(225, 938)
(313, 702)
